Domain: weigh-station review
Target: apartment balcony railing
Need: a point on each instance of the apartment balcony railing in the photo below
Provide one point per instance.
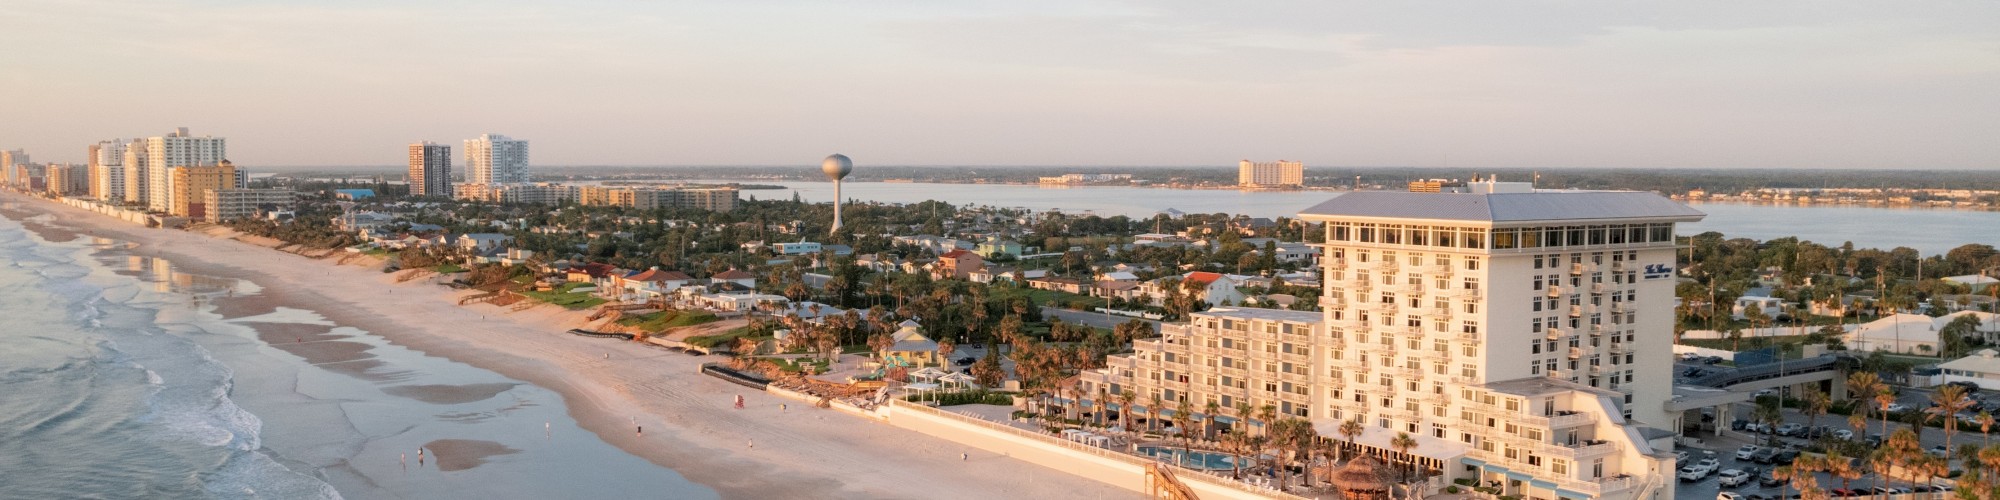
(1598, 330)
(1580, 268)
(1438, 312)
(1461, 292)
(1621, 348)
(1554, 333)
(1380, 265)
(1332, 303)
(1435, 269)
(1596, 370)
(1618, 266)
(1575, 352)
(1576, 311)
(1599, 288)
(1464, 336)
(1294, 357)
(1334, 263)
(1555, 290)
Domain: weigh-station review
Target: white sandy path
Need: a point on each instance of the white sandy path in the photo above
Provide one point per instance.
(691, 426)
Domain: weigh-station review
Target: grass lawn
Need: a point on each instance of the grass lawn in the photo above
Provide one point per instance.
(662, 320)
(1065, 299)
(563, 296)
(377, 251)
(722, 339)
(450, 268)
(790, 365)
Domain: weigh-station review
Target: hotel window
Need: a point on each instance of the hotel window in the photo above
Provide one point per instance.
(1474, 239)
(1443, 237)
(1468, 370)
(1417, 236)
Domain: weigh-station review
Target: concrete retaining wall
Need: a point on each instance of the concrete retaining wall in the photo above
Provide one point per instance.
(1111, 467)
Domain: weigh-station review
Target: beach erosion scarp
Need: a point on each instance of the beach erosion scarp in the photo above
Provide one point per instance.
(611, 388)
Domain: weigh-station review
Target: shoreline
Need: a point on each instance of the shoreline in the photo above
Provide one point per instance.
(805, 453)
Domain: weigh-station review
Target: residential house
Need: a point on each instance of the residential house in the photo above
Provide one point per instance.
(737, 276)
(1070, 285)
(958, 264)
(800, 248)
(1216, 289)
(595, 273)
(1772, 307)
(482, 242)
(1977, 282)
(653, 284)
(912, 348)
(994, 245)
(1913, 333)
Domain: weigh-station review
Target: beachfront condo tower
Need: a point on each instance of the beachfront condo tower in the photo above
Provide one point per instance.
(430, 169)
(178, 149)
(138, 178)
(1519, 336)
(1279, 173)
(496, 159)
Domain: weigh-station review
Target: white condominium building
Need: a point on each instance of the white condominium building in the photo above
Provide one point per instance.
(496, 159)
(177, 149)
(107, 170)
(1270, 174)
(1501, 328)
(138, 178)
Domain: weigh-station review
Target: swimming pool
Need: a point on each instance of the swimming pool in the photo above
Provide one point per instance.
(1193, 460)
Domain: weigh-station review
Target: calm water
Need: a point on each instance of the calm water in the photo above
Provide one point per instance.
(119, 380)
(1930, 231)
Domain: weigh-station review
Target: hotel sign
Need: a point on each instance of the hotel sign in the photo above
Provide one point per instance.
(1657, 271)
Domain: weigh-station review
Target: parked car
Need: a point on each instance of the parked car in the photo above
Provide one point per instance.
(1747, 450)
(1784, 457)
(1762, 456)
(1768, 478)
(1680, 457)
(1791, 429)
(1738, 424)
(1728, 495)
(964, 361)
(1732, 478)
(1843, 434)
(1940, 451)
(1692, 473)
(1898, 408)
(1969, 386)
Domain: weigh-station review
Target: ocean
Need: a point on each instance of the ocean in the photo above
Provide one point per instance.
(122, 376)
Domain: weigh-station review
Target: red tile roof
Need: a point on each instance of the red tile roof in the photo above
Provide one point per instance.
(658, 276)
(954, 254)
(734, 274)
(1203, 277)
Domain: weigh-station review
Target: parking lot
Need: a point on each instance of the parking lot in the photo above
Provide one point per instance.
(1724, 448)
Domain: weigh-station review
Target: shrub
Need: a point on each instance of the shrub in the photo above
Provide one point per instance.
(973, 397)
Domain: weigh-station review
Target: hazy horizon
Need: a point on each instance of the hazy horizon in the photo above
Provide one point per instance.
(1699, 85)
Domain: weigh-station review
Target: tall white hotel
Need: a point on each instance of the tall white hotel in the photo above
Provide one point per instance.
(177, 149)
(1520, 336)
(496, 159)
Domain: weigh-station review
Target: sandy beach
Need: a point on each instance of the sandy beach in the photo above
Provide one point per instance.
(690, 424)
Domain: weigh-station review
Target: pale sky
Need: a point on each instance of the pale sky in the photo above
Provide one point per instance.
(1830, 84)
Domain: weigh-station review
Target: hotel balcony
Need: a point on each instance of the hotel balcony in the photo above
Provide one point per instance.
(1621, 348)
(1438, 399)
(1583, 449)
(1596, 370)
(1377, 348)
(1405, 373)
(1335, 344)
(1383, 307)
(1332, 303)
(1345, 323)
(1560, 374)
(1576, 311)
(1620, 308)
(1618, 266)
(1467, 337)
(1599, 288)
(1204, 349)
(1388, 266)
(1435, 270)
(1555, 333)
(1403, 289)
(1553, 422)
(1262, 335)
(1438, 312)
(1464, 380)
(1334, 264)
(1294, 377)
(1555, 290)
(1461, 292)
(1580, 268)
(1598, 330)
(1575, 352)
(1293, 357)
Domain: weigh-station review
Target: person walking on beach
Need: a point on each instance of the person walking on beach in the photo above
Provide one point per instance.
(642, 431)
(752, 443)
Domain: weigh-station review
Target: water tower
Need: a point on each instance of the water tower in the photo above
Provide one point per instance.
(836, 168)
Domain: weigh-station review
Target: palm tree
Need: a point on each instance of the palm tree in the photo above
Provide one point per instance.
(1884, 398)
(1183, 419)
(1153, 413)
(1282, 438)
(1350, 429)
(1768, 412)
(1861, 388)
(1243, 417)
(1403, 443)
(1798, 476)
(1816, 403)
(1267, 415)
(1839, 466)
(1125, 409)
(1985, 420)
(1208, 413)
(1946, 403)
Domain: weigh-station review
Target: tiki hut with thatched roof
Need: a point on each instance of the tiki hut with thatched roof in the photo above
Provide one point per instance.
(1363, 478)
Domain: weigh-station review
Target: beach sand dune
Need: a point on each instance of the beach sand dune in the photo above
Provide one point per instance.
(691, 425)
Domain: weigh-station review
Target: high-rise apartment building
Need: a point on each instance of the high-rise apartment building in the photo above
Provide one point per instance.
(430, 169)
(230, 204)
(1279, 173)
(138, 175)
(647, 198)
(1519, 336)
(177, 149)
(496, 159)
(192, 184)
(107, 170)
(11, 162)
(65, 180)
